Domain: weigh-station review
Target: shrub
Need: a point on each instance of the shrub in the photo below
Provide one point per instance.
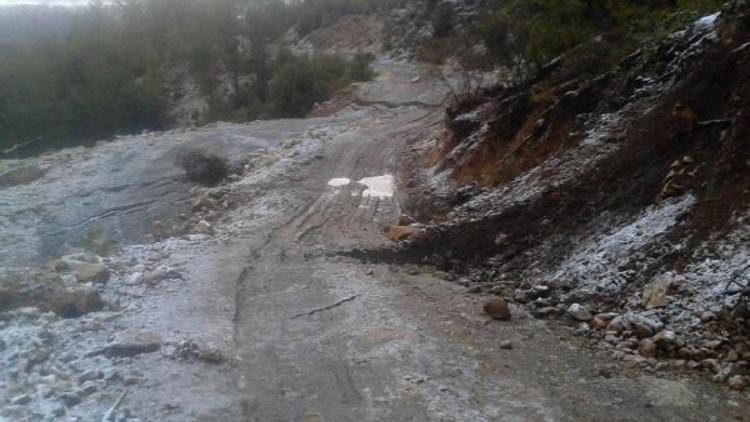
(202, 167)
(539, 30)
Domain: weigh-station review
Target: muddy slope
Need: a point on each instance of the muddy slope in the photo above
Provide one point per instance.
(623, 189)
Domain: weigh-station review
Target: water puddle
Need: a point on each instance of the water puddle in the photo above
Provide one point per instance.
(338, 182)
(380, 187)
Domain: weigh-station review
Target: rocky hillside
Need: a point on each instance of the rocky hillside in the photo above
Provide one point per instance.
(612, 196)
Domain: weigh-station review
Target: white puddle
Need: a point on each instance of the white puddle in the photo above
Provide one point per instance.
(380, 187)
(338, 182)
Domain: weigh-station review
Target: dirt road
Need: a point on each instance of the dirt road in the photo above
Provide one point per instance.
(310, 334)
(322, 337)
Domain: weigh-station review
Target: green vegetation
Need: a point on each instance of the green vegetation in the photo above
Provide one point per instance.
(110, 74)
(539, 30)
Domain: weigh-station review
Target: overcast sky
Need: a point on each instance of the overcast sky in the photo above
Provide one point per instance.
(48, 2)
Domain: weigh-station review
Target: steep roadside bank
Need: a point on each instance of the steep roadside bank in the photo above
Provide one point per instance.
(616, 201)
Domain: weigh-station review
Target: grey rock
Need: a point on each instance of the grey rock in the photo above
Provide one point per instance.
(133, 343)
(665, 339)
(91, 375)
(88, 389)
(70, 398)
(86, 268)
(579, 312)
(22, 399)
(737, 382)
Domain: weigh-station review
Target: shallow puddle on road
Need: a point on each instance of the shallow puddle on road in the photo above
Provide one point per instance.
(338, 182)
(380, 187)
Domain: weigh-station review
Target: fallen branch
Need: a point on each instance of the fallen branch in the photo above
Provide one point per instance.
(326, 308)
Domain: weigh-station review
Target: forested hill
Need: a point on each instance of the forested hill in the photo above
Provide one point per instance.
(118, 68)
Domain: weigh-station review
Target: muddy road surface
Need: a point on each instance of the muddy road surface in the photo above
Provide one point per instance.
(300, 331)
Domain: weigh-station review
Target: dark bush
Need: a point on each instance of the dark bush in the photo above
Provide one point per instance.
(203, 168)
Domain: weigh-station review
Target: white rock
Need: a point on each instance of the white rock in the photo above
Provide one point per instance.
(579, 312)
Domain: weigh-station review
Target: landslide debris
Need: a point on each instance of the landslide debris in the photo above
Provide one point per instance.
(612, 193)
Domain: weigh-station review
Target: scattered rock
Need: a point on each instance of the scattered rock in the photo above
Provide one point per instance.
(211, 353)
(131, 344)
(204, 227)
(523, 296)
(90, 375)
(643, 326)
(20, 176)
(737, 382)
(73, 304)
(506, 345)
(617, 324)
(70, 398)
(497, 309)
(655, 293)
(598, 323)
(647, 348)
(665, 340)
(23, 399)
(161, 274)
(544, 312)
(86, 270)
(579, 312)
(399, 233)
(405, 220)
(474, 289)
(708, 316)
(87, 389)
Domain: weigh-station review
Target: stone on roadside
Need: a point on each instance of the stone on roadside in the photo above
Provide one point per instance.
(655, 293)
(474, 289)
(737, 382)
(161, 274)
(617, 324)
(708, 316)
(523, 296)
(73, 304)
(21, 399)
(405, 220)
(665, 339)
(86, 269)
(579, 312)
(204, 227)
(497, 309)
(132, 343)
(21, 176)
(70, 398)
(399, 233)
(90, 375)
(598, 323)
(647, 348)
(210, 353)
